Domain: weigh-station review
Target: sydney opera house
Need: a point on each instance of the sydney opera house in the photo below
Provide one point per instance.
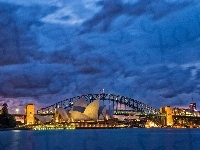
(80, 112)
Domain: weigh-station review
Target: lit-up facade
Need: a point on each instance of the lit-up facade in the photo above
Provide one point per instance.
(181, 117)
(89, 113)
(83, 112)
(92, 110)
(192, 107)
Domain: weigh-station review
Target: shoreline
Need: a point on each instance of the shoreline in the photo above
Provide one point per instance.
(8, 129)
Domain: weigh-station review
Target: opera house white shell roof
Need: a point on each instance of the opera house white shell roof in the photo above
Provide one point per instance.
(92, 110)
(44, 119)
(79, 105)
(102, 111)
(63, 113)
(81, 102)
(78, 116)
(83, 112)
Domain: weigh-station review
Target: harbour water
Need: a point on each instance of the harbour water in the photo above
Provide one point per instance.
(101, 139)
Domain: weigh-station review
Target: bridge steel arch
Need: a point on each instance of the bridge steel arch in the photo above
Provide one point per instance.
(136, 105)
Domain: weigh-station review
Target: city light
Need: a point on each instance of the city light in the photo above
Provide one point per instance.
(141, 116)
(17, 110)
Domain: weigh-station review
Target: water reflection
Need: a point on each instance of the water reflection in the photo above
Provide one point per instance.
(15, 140)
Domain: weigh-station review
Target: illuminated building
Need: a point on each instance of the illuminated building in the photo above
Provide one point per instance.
(191, 111)
(80, 112)
(78, 116)
(83, 112)
(19, 118)
(29, 111)
(90, 112)
(192, 107)
(186, 117)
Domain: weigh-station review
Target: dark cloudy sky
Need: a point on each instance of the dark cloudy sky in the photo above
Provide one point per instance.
(51, 50)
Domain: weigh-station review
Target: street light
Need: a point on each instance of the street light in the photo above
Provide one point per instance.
(17, 110)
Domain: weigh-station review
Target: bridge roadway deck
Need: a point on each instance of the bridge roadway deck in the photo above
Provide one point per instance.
(133, 114)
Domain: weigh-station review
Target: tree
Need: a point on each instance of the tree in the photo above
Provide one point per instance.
(7, 120)
(5, 109)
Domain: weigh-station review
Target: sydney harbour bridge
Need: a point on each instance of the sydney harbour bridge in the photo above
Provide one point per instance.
(119, 104)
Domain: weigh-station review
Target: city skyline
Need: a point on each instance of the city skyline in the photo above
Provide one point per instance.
(53, 50)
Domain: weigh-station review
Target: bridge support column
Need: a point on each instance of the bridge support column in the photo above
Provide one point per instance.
(56, 116)
(30, 111)
(168, 121)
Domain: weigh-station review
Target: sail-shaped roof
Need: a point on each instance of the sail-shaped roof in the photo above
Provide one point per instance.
(78, 116)
(44, 119)
(92, 110)
(63, 113)
(81, 102)
(102, 111)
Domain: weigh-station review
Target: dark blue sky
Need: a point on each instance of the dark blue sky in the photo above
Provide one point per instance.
(144, 49)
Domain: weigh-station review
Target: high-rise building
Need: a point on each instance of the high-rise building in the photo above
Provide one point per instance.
(30, 111)
(192, 107)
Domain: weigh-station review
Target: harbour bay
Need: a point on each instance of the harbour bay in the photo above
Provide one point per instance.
(101, 139)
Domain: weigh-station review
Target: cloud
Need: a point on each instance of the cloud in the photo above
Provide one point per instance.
(18, 44)
(169, 81)
(146, 50)
(63, 16)
(33, 2)
(113, 9)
